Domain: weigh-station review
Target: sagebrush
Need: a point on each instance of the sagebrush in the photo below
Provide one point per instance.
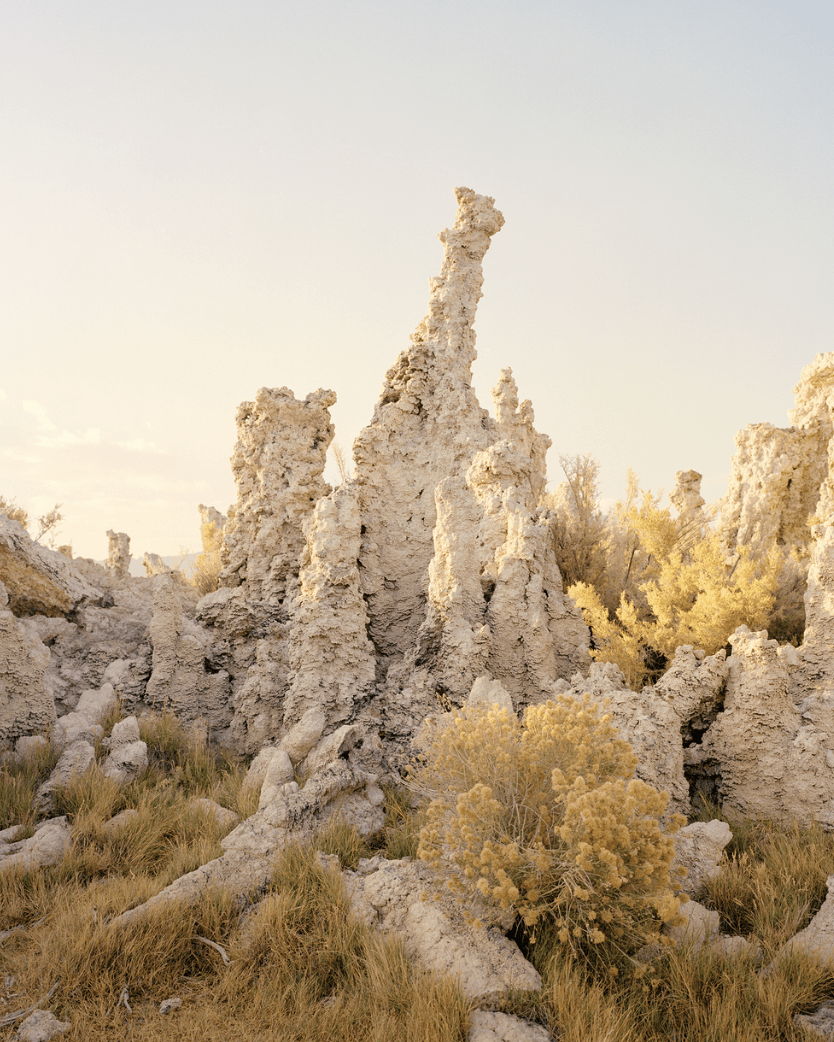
(544, 816)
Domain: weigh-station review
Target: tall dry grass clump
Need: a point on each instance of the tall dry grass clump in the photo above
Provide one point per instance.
(205, 573)
(544, 817)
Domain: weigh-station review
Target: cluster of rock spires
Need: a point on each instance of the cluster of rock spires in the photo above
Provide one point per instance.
(346, 616)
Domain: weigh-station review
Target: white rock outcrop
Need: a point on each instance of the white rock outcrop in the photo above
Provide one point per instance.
(118, 554)
(246, 865)
(26, 706)
(180, 680)
(406, 898)
(50, 842)
(128, 755)
(699, 849)
(504, 1027)
(427, 426)
(650, 726)
(494, 575)
(39, 581)
(774, 759)
(779, 476)
(817, 939)
(278, 462)
(211, 516)
(815, 677)
(41, 1026)
(331, 660)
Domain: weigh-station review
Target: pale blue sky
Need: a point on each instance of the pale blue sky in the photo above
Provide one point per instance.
(202, 198)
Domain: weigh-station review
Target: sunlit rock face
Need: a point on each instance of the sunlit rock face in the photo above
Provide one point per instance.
(278, 464)
(330, 657)
(780, 476)
(118, 554)
(427, 426)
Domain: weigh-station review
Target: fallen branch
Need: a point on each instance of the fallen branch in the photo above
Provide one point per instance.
(216, 946)
(10, 1018)
(23, 926)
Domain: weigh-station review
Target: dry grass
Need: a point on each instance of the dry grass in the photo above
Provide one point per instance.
(302, 969)
(18, 781)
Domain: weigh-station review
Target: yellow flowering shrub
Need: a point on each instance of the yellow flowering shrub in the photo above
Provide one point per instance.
(689, 592)
(544, 816)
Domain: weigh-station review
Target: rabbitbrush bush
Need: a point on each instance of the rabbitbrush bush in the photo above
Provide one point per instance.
(544, 816)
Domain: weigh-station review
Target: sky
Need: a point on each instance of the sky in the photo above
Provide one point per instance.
(201, 198)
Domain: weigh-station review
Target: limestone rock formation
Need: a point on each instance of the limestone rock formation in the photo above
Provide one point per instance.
(39, 581)
(211, 516)
(245, 867)
(504, 1027)
(817, 939)
(41, 1026)
(780, 475)
(699, 848)
(128, 755)
(816, 677)
(47, 847)
(427, 426)
(118, 554)
(330, 657)
(774, 759)
(26, 706)
(180, 679)
(694, 686)
(278, 464)
(494, 575)
(406, 898)
(649, 724)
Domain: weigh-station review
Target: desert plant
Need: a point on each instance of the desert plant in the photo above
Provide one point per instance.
(205, 574)
(689, 592)
(342, 462)
(19, 780)
(544, 817)
(577, 524)
(47, 523)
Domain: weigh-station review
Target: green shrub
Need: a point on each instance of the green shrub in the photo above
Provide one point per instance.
(544, 817)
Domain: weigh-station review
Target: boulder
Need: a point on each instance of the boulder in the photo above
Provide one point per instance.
(407, 899)
(224, 817)
(820, 1023)
(817, 939)
(76, 759)
(504, 1027)
(39, 581)
(699, 848)
(126, 761)
(50, 842)
(40, 1026)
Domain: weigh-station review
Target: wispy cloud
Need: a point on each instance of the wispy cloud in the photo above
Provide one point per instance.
(39, 412)
(139, 445)
(20, 456)
(90, 437)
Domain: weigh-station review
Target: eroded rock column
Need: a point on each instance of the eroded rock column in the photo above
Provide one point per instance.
(330, 657)
(427, 426)
(278, 465)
